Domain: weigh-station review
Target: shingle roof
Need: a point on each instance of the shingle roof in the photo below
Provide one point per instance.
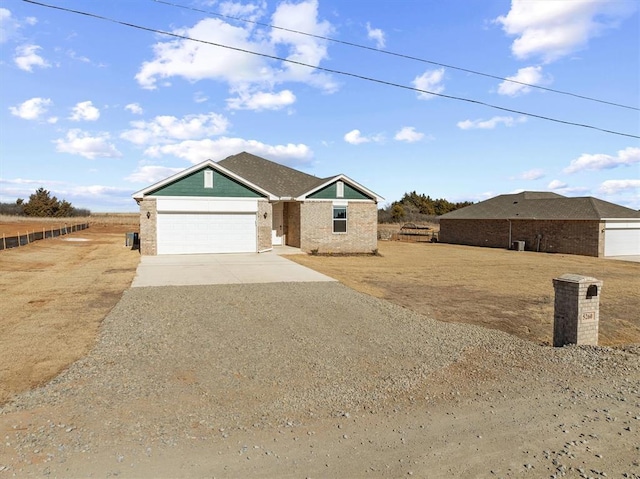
(542, 206)
(273, 177)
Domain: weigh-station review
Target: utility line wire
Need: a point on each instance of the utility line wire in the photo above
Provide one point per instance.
(395, 54)
(328, 70)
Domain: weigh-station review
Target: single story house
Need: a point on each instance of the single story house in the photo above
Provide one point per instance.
(245, 203)
(548, 222)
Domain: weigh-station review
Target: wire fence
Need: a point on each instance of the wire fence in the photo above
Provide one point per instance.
(31, 236)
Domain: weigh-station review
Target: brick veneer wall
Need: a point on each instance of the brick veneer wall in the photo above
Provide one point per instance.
(291, 218)
(583, 237)
(264, 225)
(148, 227)
(316, 228)
(576, 314)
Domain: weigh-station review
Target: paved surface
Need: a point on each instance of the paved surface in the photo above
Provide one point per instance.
(633, 258)
(203, 269)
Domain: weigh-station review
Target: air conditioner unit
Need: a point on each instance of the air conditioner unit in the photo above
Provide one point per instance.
(518, 246)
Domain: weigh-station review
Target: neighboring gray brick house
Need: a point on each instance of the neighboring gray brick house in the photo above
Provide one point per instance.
(245, 203)
(546, 222)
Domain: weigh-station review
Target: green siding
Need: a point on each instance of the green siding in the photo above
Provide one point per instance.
(329, 193)
(193, 185)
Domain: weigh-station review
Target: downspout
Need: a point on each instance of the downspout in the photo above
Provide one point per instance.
(509, 245)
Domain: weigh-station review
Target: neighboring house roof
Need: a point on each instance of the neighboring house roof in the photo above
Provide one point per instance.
(274, 180)
(541, 205)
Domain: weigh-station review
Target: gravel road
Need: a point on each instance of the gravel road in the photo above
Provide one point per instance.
(315, 379)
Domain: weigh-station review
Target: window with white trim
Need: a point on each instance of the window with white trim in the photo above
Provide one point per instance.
(340, 189)
(339, 219)
(208, 178)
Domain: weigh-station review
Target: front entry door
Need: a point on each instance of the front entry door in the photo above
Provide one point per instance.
(277, 228)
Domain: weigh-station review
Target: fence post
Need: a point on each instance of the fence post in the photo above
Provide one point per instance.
(4, 242)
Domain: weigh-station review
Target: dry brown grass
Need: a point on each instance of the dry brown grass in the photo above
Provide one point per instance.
(500, 289)
(54, 295)
(105, 222)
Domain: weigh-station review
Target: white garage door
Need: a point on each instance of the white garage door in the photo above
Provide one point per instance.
(191, 233)
(621, 242)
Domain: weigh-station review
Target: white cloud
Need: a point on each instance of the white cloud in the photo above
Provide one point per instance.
(600, 161)
(563, 188)
(78, 142)
(529, 75)
(164, 129)
(134, 108)
(80, 58)
(491, 123)
(302, 17)
(194, 61)
(408, 134)
(249, 11)
(201, 150)
(96, 190)
(355, 137)
(261, 100)
(553, 29)
(8, 25)
(611, 187)
(84, 111)
(377, 35)
(151, 174)
(530, 175)
(27, 57)
(556, 184)
(200, 97)
(32, 109)
(429, 81)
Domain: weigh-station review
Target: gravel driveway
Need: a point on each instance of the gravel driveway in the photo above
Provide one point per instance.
(175, 366)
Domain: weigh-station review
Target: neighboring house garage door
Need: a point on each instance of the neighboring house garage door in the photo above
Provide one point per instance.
(191, 233)
(622, 241)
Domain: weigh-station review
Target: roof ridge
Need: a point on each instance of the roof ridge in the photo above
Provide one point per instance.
(270, 161)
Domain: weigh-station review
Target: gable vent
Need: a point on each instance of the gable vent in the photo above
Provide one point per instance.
(208, 178)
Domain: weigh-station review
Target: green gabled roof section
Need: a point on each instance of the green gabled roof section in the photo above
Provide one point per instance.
(352, 190)
(286, 182)
(248, 176)
(190, 182)
(330, 192)
(193, 185)
(542, 206)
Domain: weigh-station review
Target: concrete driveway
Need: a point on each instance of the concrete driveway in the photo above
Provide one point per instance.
(202, 269)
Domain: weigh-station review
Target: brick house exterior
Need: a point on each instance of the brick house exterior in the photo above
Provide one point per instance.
(545, 222)
(245, 203)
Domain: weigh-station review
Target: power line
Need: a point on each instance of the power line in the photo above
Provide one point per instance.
(395, 54)
(329, 70)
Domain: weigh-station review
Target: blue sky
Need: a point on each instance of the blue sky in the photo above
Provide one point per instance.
(93, 110)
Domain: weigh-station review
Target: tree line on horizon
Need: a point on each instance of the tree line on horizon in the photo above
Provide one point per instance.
(41, 204)
(414, 207)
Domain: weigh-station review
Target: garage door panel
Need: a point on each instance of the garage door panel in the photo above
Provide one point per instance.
(622, 242)
(192, 233)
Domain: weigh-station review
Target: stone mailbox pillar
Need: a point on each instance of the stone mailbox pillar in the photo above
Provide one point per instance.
(576, 310)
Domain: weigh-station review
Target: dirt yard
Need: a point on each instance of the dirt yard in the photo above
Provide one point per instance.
(500, 289)
(54, 295)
